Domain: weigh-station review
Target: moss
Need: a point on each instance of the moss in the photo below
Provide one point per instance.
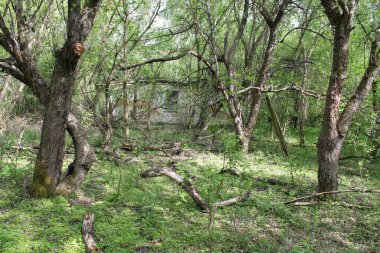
(42, 185)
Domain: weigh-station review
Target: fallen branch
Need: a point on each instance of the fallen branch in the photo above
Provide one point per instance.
(173, 148)
(145, 246)
(233, 201)
(88, 233)
(34, 149)
(357, 157)
(329, 193)
(311, 203)
(230, 171)
(270, 181)
(187, 186)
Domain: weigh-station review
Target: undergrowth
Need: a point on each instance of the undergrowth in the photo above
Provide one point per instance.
(154, 215)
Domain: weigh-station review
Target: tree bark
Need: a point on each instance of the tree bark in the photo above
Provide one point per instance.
(56, 97)
(48, 166)
(335, 127)
(47, 171)
(277, 127)
(126, 75)
(330, 142)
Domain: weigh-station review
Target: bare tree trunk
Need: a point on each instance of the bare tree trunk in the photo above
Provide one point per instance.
(134, 108)
(303, 103)
(47, 171)
(277, 127)
(126, 75)
(107, 126)
(302, 119)
(330, 141)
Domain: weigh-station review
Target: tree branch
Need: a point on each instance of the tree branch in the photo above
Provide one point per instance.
(184, 184)
(164, 59)
(314, 195)
(192, 191)
(88, 15)
(370, 75)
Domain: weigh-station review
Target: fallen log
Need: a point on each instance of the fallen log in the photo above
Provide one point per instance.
(233, 201)
(315, 195)
(232, 172)
(188, 187)
(170, 149)
(88, 233)
(271, 181)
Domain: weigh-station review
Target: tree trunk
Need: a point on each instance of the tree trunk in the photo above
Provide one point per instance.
(107, 127)
(302, 119)
(263, 75)
(48, 167)
(56, 97)
(84, 158)
(277, 127)
(134, 108)
(328, 158)
(330, 141)
(126, 75)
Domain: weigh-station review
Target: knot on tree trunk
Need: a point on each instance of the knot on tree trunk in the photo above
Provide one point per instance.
(78, 48)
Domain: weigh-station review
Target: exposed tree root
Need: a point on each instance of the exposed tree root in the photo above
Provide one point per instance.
(88, 233)
(315, 195)
(187, 186)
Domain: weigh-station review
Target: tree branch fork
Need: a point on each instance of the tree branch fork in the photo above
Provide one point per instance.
(188, 187)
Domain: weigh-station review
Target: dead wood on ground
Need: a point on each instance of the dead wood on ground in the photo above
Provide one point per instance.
(187, 186)
(88, 233)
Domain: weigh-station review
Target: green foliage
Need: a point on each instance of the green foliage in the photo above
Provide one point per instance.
(152, 209)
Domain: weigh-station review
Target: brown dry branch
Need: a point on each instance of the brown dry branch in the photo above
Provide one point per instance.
(315, 195)
(168, 150)
(187, 186)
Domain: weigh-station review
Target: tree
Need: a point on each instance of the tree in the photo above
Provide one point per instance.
(22, 64)
(335, 125)
(226, 82)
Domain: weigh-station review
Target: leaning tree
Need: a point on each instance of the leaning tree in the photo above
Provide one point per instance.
(22, 28)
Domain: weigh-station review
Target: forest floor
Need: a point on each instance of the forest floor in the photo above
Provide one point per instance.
(133, 214)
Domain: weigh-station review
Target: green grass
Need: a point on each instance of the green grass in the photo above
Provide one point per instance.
(156, 209)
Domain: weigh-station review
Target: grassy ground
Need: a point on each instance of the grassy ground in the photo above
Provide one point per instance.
(153, 215)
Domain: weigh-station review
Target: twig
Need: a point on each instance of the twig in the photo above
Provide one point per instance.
(329, 193)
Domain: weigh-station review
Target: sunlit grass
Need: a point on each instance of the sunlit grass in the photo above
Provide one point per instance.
(152, 209)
